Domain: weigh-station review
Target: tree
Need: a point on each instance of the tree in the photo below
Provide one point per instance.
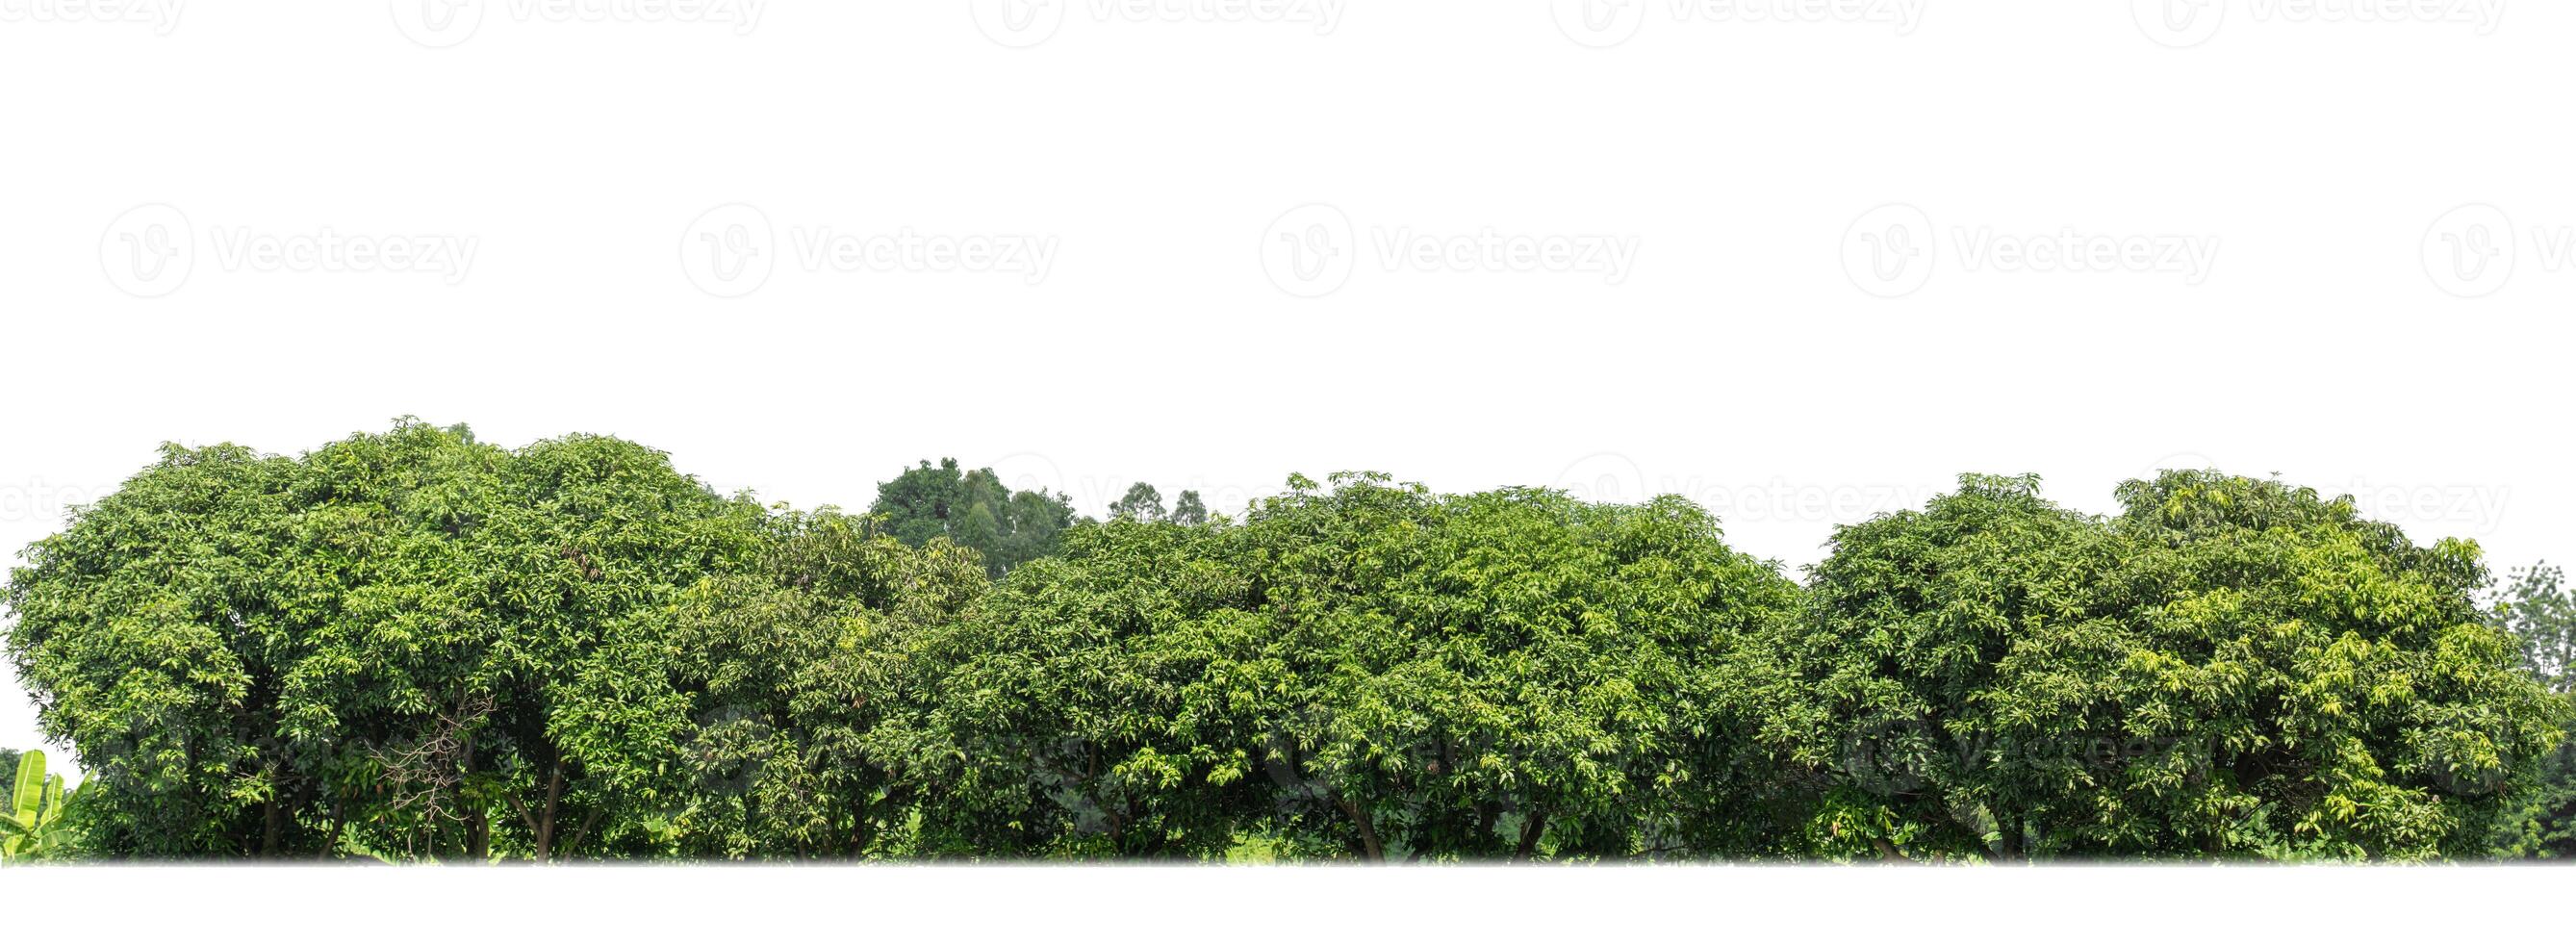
(408, 643)
(2536, 607)
(1140, 503)
(1515, 673)
(1915, 624)
(1094, 705)
(974, 510)
(156, 635)
(795, 661)
(416, 645)
(572, 576)
(1189, 511)
(2231, 667)
(1373, 672)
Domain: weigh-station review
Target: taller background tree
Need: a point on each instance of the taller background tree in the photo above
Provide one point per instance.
(973, 509)
(2537, 607)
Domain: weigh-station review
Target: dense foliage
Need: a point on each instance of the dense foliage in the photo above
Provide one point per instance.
(33, 811)
(416, 645)
(972, 509)
(2230, 667)
(1371, 671)
(2537, 607)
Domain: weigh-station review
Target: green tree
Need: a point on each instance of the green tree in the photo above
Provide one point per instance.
(408, 643)
(573, 576)
(1514, 674)
(156, 635)
(2231, 667)
(1188, 510)
(2537, 608)
(1368, 671)
(1916, 622)
(1093, 705)
(1140, 503)
(795, 662)
(972, 509)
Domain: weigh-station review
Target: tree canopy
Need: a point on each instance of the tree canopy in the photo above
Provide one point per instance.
(2540, 612)
(2230, 667)
(972, 509)
(417, 645)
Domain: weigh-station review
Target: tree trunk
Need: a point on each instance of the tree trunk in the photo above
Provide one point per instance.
(331, 839)
(478, 820)
(1370, 848)
(272, 821)
(546, 819)
(1531, 828)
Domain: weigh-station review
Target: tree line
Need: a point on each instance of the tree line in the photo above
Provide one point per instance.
(417, 645)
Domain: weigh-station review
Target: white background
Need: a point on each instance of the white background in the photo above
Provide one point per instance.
(2342, 326)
